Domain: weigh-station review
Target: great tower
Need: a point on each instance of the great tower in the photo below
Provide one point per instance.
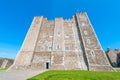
(62, 45)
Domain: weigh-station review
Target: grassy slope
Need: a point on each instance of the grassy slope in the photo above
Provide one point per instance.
(3, 69)
(76, 75)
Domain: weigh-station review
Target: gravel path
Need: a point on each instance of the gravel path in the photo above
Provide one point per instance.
(18, 74)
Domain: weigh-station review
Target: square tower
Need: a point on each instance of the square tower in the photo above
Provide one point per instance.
(62, 45)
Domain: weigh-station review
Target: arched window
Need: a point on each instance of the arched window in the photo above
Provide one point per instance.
(85, 32)
(92, 53)
(82, 24)
(88, 41)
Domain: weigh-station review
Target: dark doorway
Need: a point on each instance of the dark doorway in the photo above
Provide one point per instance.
(47, 65)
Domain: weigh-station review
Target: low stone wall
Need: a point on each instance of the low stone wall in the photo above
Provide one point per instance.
(6, 63)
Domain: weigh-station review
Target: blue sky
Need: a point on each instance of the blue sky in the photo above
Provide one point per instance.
(16, 17)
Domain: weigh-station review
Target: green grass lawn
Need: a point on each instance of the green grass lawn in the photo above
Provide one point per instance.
(3, 69)
(76, 75)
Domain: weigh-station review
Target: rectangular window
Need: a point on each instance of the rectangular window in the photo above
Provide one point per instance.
(49, 48)
(58, 46)
(42, 48)
(67, 48)
(66, 36)
(58, 33)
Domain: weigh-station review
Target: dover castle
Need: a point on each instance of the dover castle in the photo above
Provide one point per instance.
(62, 45)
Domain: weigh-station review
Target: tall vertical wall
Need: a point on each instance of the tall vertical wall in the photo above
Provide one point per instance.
(74, 58)
(62, 45)
(57, 55)
(44, 45)
(95, 55)
(26, 52)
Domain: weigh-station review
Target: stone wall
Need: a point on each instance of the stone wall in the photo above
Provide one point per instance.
(114, 57)
(61, 45)
(6, 63)
(27, 50)
(94, 53)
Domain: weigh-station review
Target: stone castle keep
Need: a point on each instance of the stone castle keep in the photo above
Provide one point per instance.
(62, 45)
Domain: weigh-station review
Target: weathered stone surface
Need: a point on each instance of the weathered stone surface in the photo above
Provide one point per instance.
(114, 57)
(62, 44)
(6, 63)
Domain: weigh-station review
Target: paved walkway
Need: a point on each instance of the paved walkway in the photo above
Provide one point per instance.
(18, 74)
